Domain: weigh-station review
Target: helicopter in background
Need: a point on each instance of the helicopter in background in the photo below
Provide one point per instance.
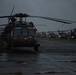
(19, 33)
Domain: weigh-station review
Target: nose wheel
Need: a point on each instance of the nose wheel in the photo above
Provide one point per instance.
(36, 47)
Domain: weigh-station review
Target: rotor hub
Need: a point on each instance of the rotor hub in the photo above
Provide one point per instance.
(21, 15)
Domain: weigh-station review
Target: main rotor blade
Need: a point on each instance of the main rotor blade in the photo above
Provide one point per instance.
(54, 19)
(12, 10)
(1, 29)
(4, 25)
(16, 15)
(4, 16)
(48, 18)
(11, 13)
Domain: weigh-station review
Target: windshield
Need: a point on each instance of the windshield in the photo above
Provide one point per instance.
(32, 32)
(17, 32)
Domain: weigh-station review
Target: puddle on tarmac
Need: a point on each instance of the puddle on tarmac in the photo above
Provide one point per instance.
(15, 73)
(69, 54)
(49, 72)
(3, 57)
(73, 61)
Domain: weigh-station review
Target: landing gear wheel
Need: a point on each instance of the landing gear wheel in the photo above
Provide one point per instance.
(36, 49)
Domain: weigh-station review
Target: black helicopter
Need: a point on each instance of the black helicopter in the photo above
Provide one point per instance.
(21, 33)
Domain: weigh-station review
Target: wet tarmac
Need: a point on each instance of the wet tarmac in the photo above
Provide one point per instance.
(55, 57)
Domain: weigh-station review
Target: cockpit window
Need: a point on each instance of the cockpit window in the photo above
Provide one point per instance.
(24, 32)
(17, 32)
(32, 32)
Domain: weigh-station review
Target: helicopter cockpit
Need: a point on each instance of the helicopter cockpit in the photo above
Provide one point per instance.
(24, 30)
(24, 35)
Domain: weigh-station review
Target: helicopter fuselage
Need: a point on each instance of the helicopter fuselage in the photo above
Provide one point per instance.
(21, 35)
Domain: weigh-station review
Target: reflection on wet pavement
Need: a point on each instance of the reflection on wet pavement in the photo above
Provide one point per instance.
(46, 61)
(41, 63)
(3, 57)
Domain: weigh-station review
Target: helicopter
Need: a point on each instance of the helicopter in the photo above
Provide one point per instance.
(19, 33)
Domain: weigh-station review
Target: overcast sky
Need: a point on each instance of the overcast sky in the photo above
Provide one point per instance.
(63, 9)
